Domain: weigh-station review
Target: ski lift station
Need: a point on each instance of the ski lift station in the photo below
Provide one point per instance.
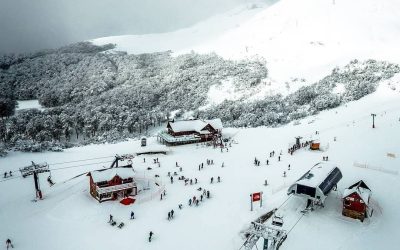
(316, 184)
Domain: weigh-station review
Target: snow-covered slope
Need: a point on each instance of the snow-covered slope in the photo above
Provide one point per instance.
(298, 38)
(69, 218)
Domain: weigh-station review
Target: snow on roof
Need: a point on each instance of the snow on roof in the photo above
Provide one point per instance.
(108, 174)
(317, 174)
(187, 125)
(215, 123)
(153, 149)
(194, 125)
(364, 193)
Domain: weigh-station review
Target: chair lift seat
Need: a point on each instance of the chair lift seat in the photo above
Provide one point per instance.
(277, 221)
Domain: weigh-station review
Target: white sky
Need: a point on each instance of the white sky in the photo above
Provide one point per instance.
(27, 25)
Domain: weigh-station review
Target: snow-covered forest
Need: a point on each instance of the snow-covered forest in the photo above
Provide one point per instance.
(92, 94)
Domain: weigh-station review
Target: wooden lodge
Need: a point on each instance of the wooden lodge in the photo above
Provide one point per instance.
(356, 200)
(111, 184)
(190, 131)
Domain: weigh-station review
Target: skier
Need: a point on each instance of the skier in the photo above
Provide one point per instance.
(160, 196)
(150, 235)
(222, 165)
(191, 182)
(169, 215)
(132, 215)
(144, 159)
(190, 202)
(201, 197)
(279, 158)
(10, 174)
(212, 179)
(284, 173)
(165, 193)
(172, 179)
(180, 206)
(172, 213)
(176, 164)
(111, 219)
(267, 162)
(9, 244)
(208, 194)
(180, 169)
(5, 174)
(219, 179)
(195, 180)
(289, 167)
(50, 181)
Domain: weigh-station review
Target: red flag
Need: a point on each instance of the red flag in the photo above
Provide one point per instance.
(256, 196)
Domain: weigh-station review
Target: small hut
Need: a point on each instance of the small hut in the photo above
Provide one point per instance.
(143, 141)
(314, 145)
(356, 201)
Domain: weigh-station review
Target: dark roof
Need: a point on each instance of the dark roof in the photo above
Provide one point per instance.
(331, 180)
(361, 183)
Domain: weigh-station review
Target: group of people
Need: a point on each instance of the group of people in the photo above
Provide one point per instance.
(196, 201)
(212, 179)
(8, 174)
(170, 215)
(296, 146)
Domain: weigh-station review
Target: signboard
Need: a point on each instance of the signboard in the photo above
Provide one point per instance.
(256, 196)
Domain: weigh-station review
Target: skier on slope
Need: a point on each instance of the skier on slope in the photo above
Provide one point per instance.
(132, 215)
(111, 219)
(9, 244)
(150, 235)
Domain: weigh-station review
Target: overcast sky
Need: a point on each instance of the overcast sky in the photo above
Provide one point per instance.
(27, 25)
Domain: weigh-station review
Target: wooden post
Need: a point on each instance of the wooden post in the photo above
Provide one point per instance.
(251, 202)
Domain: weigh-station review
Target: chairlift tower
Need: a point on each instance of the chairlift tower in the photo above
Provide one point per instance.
(35, 170)
(298, 140)
(118, 158)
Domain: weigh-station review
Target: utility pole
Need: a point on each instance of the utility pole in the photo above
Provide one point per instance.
(373, 120)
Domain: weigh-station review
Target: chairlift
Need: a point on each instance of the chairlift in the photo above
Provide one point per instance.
(277, 221)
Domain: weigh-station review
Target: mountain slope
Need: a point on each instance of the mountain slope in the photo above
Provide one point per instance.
(297, 38)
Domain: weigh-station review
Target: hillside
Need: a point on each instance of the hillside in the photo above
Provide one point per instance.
(299, 39)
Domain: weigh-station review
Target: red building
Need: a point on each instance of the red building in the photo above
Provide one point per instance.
(111, 184)
(356, 201)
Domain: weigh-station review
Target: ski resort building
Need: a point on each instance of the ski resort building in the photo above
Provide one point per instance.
(356, 201)
(316, 184)
(112, 183)
(190, 131)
